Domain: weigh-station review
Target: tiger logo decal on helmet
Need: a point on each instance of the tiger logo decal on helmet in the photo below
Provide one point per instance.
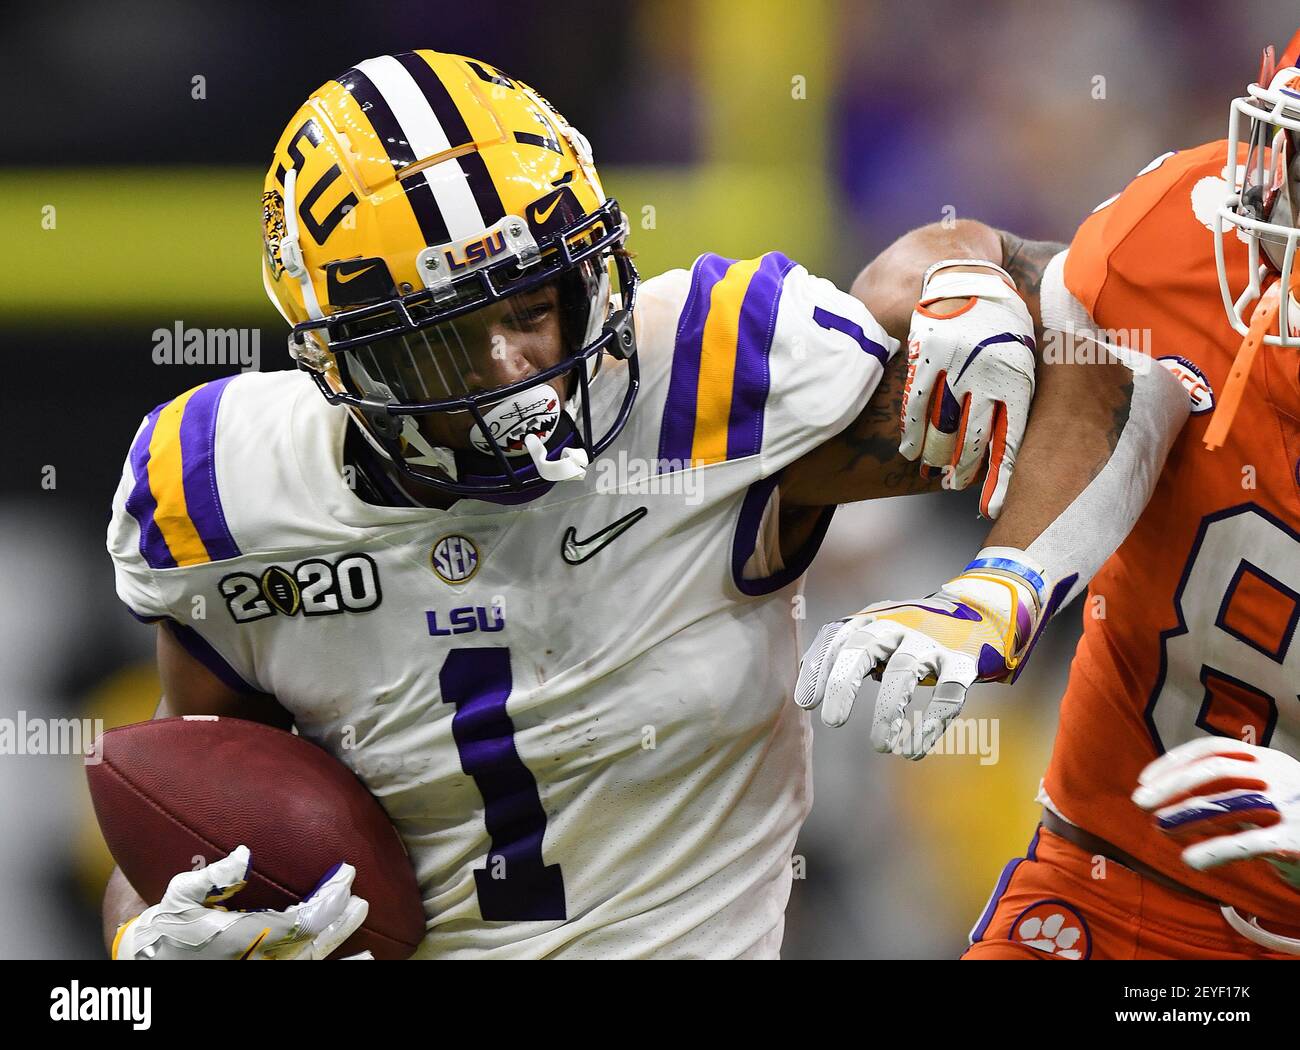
(273, 231)
(437, 236)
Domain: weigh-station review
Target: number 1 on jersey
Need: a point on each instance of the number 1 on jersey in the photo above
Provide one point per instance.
(516, 884)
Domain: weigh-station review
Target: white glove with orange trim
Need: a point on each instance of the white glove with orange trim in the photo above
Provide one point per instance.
(978, 627)
(970, 378)
(1240, 800)
(188, 924)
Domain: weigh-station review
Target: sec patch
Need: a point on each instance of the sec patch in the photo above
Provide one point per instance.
(1054, 927)
(454, 558)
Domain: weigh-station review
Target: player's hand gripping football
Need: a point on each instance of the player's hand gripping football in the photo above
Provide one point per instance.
(1232, 801)
(977, 627)
(970, 377)
(190, 924)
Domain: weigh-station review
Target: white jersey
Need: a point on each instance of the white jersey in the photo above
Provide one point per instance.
(575, 710)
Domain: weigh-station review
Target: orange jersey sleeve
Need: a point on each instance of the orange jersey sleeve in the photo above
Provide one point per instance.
(1156, 233)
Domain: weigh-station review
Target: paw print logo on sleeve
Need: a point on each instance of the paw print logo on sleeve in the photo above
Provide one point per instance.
(1055, 928)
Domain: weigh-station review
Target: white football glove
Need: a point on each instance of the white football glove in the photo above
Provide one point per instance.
(970, 378)
(978, 627)
(1245, 797)
(189, 924)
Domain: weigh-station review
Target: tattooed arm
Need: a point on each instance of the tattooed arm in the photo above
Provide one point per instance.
(863, 462)
(1080, 410)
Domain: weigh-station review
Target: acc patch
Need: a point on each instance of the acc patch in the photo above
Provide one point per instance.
(281, 590)
(454, 558)
(1053, 927)
(1193, 380)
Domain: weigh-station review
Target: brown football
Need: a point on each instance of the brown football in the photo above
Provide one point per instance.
(177, 792)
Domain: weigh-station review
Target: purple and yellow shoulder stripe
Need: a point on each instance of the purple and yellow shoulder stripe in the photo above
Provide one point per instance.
(719, 384)
(175, 498)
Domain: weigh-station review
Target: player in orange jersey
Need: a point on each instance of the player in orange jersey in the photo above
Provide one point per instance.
(1191, 626)
(1190, 647)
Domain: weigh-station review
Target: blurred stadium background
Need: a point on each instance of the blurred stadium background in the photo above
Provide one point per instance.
(821, 128)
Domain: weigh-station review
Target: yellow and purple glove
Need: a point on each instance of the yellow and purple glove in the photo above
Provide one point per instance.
(978, 627)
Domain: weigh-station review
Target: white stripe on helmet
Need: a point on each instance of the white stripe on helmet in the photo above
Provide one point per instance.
(426, 138)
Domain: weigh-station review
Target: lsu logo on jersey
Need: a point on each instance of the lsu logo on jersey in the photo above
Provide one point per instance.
(314, 587)
(467, 619)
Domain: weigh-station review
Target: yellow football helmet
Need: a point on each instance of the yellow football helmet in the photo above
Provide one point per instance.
(437, 235)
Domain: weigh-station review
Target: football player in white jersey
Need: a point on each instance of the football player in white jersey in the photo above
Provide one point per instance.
(517, 541)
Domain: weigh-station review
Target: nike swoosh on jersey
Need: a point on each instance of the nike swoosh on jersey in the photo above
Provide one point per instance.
(576, 551)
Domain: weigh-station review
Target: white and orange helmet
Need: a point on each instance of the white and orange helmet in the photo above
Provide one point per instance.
(1264, 210)
(1263, 170)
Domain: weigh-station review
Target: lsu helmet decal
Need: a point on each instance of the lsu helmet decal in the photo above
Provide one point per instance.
(437, 235)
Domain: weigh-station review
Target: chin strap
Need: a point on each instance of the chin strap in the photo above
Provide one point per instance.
(290, 249)
(1266, 311)
(430, 456)
(570, 465)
